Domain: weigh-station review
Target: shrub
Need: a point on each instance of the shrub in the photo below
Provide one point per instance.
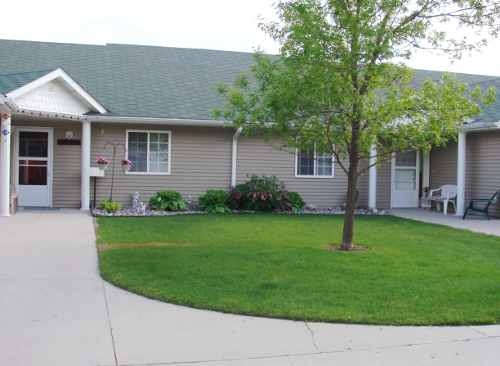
(215, 201)
(295, 200)
(289, 201)
(167, 201)
(258, 194)
(110, 206)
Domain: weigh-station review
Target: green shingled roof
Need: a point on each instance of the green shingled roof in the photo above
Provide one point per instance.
(147, 81)
(9, 82)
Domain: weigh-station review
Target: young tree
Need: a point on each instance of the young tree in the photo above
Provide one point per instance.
(336, 83)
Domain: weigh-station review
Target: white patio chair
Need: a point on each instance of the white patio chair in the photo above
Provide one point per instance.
(444, 195)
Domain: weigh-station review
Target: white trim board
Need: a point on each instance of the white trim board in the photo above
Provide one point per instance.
(57, 74)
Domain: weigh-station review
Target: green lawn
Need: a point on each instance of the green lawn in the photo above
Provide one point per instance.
(278, 266)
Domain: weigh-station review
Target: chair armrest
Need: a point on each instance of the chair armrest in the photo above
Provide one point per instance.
(437, 198)
(432, 191)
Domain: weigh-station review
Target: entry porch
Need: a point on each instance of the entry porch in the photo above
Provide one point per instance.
(45, 142)
(476, 224)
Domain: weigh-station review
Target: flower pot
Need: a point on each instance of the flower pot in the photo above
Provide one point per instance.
(126, 165)
(102, 166)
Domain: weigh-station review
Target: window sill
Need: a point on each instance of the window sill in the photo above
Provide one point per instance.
(146, 173)
(315, 176)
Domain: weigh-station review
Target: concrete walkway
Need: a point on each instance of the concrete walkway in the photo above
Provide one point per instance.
(55, 310)
(477, 224)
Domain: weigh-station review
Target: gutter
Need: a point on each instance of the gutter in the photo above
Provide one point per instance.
(482, 126)
(160, 121)
(6, 105)
(234, 158)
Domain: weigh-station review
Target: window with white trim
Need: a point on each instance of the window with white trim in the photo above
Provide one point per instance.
(310, 163)
(149, 151)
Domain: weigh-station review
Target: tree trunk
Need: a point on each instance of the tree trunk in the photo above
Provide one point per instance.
(352, 186)
(351, 198)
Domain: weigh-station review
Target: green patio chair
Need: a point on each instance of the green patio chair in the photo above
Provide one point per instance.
(482, 205)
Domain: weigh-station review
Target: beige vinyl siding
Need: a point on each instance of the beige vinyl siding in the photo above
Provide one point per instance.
(384, 177)
(201, 159)
(363, 184)
(443, 165)
(260, 157)
(66, 162)
(483, 165)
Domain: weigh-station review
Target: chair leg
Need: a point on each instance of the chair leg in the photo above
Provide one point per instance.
(465, 213)
(445, 207)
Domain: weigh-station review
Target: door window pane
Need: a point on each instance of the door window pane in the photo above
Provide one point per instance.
(33, 144)
(408, 158)
(406, 179)
(138, 151)
(32, 173)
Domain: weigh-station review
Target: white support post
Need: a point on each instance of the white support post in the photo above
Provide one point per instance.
(85, 168)
(234, 158)
(5, 132)
(461, 163)
(372, 179)
(426, 169)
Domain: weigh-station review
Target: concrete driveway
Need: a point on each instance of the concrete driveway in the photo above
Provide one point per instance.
(55, 310)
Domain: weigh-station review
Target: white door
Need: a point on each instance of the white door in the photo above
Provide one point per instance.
(34, 166)
(405, 179)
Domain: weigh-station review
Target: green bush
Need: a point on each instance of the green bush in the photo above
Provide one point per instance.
(167, 201)
(295, 200)
(110, 206)
(215, 201)
(258, 194)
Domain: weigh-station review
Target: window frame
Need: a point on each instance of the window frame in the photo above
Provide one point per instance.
(315, 162)
(147, 172)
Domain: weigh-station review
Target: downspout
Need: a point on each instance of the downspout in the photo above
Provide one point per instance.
(234, 159)
(461, 166)
(372, 179)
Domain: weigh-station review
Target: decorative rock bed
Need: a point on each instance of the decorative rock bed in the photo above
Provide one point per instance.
(140, 209)
(130, 212)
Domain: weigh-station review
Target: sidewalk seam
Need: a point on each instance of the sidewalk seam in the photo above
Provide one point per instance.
(110, 326)
(313, 337)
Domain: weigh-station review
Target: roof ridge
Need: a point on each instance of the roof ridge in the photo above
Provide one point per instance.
(456, 73)
(53, 42)
(183, 48)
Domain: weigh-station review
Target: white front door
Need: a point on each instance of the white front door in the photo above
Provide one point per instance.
(34, 166)
(405, 179)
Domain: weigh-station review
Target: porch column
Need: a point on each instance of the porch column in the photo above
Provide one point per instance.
(461, 163)
(372, 179)
(5, 132)
(426, 169)
(85, 161)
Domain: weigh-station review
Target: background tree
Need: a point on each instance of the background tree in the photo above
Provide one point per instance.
(337, 83)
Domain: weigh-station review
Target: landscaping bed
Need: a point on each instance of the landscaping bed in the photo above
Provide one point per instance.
(283, 266)
(131, 212)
